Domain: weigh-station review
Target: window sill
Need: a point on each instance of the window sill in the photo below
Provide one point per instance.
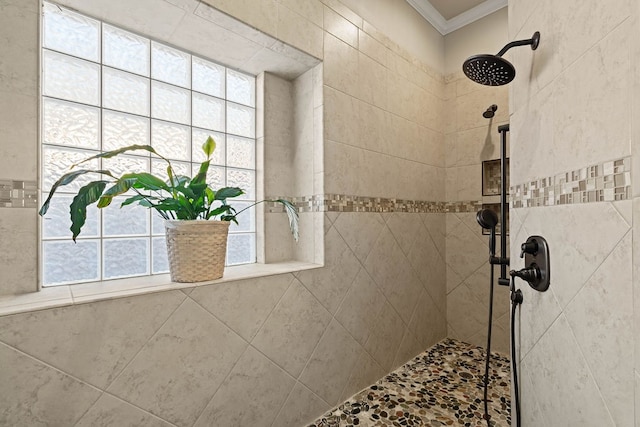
(61, 296)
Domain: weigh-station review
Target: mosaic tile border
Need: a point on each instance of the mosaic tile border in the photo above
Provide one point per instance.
(604, 182)
(18, 194)
(346, 203)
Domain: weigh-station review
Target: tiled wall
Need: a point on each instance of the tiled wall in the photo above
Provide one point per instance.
(574, 142)
(470, 140)
(273, 351)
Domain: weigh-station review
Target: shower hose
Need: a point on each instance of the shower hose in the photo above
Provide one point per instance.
(516, 300)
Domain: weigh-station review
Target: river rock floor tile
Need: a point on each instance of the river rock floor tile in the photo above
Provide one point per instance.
(440, 387)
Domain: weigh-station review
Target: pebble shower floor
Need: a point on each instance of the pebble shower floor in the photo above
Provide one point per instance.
(440, 387)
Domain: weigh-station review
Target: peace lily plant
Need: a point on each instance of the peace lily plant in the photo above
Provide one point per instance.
(178, 197)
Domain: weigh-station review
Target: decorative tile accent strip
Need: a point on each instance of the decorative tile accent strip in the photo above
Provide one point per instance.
(605, 182)
(18, 194)
(345, 203)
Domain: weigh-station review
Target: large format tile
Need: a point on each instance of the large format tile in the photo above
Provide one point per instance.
(251, 395)
(603, 125)
(428, 322)
(293, 329)
(360, 231)
(603, 305)
(466, 252)
(111, 412)
(386, 337)
(323, 375)
(391, 270)
(301, 407)
(331, 283)
(18, 250)
(34, 394)
(92, 342)
(569, 231)
(177, 372)
(361, 307)
(243, 305)
(340, 65)
(562, 381)
(429, 265)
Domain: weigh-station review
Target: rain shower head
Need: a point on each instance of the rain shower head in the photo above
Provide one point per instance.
(491, 111)
(494, 70)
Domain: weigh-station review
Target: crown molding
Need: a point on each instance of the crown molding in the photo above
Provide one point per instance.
(444, 27)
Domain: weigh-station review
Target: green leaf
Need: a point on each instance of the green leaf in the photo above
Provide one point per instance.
(86, 196)
(113, 153)
(228, 192)
(219, 210)
(67, 179)
(292, 214)
(146, 181)
(201, 176)
(121, 186)
(209, 146)
(136, 198)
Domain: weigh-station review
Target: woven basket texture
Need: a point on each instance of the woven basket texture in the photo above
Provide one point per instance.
(196, 249)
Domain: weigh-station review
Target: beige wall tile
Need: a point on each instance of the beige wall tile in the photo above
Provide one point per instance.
(243, 305)
(592, 319)
(331, 283)
(554, 374)
(360, 307)
(18, 249)
(428, 321)
(365, 372)
(310, 9)
(293, 329)
(370, 74)
(321, 374)
(340, 27)
(340, 113)
(299, 32)
(111, 411)
(262, 15)
(385, 337)
(300, 406)
(101, 330)
(176, 373)
(34, 393)
(359, 231)
(252, 394)
(340, 65)
(372, 48)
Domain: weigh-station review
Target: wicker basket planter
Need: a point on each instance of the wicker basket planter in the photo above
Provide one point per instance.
(196, 249)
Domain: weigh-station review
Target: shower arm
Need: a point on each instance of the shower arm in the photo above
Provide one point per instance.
(533, 41)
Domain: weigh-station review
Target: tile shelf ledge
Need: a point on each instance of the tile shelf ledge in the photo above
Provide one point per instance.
(66, 295)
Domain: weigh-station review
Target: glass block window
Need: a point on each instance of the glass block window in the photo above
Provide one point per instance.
(105, 88)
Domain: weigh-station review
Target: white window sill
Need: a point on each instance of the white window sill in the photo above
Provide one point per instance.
(60, 296)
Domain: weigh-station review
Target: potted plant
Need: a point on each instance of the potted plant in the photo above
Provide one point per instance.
(196, 216)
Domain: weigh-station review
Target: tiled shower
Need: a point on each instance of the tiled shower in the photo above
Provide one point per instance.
(405, 264)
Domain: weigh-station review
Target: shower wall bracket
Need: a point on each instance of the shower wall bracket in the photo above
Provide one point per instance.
(535, 252)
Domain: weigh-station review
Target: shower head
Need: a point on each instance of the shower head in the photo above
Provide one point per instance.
(487, 218)
(494, 70)
(491, 111)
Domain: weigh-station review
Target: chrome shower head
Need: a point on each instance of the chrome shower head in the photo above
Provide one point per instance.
(494, 70)
(491, 111)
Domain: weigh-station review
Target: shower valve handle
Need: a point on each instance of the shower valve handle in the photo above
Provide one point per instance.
(529, 248)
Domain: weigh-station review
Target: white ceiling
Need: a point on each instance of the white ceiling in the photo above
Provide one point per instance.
(449, 15)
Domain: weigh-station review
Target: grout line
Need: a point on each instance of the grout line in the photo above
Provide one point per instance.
(143, 346)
